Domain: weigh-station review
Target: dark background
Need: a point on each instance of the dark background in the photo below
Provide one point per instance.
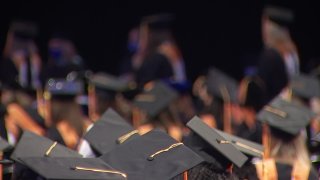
(221, 33)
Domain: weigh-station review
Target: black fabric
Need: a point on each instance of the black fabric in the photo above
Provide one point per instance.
(107, 130)
(154, 67)
(206, 142)
(29, 72)
(3, 130)
(288, 117)
(9, 74)
(272, 70)
(32, 145)
(206, 171)
(56, 71)
(22, 172)
(254, 134)
(284, 172)
(247, 171)
(35, 116)
(53, 134)
(133, 157)
(64, 168)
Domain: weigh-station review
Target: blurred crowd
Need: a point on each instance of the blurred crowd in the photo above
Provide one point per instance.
(63, 100)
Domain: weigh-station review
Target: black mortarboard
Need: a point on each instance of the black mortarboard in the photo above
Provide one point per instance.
(221, 85)
(24, 29)
(280, 15)
(111, 83)
(72, 168)
(155, 155)
(213, 147)
(60, 89)
(287, 117)
(4, 145)
(156, 96)
(32, 145)
(161, 21)
(247, 147)
(305, 86)
(251, 92)
(109, 131)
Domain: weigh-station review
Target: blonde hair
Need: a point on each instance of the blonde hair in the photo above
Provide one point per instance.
(278, 37)
(291, 151)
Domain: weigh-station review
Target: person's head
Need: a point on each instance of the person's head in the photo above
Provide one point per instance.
(154, 30)
(20, 37)
(287, 122)
(288, 147)
(61, 49)
(275, 32)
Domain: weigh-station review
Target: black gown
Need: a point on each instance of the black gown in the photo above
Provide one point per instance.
(254, 135)
(272, 70)
(54, 135)
(284, 172)
(156, 66)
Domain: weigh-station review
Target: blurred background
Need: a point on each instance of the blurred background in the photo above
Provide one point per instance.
(225, 34)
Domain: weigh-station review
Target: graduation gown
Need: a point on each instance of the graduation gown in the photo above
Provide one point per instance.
(156, 66)
(272, 70)
(276, 170)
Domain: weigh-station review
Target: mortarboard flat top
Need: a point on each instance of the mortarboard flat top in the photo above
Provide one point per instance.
(155, 154)
(280, 15)
(112, 83)
(32, 145)
(63, 87)
(161, 21)
(221, 85)
(305, 86)
(4, 145)
(24, 29)
(109, 131)
(72, 168)
(285, 116)
(214, 147)
(248, 147)
(155, 97)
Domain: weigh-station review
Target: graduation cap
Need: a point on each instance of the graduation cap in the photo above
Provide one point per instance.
(156, 96)
(305, 86)
(64, 87)
(221, 85)
(155, 155)
(5, 146)
(251, 92)
(162, 21)
(249, 148)
(287, 118)
(32, 145)
(72, 168)
(24, 29)
(212, 146)
(280, 15)
(111, 83)
(110, 131)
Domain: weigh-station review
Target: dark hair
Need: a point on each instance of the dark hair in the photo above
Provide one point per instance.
(207, 171)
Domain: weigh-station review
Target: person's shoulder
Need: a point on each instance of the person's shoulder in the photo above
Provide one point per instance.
(270, 53)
